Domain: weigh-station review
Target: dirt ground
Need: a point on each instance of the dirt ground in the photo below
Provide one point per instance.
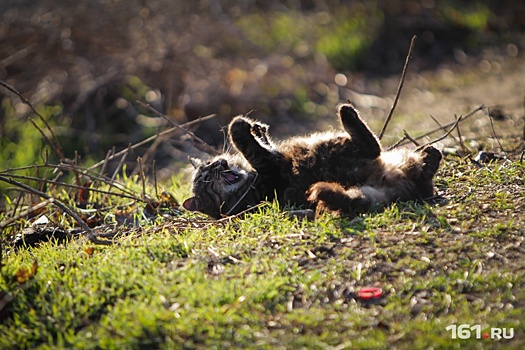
(452, 90)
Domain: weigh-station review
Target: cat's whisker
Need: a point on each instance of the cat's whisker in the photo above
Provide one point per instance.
(231, 211)
(227, 147)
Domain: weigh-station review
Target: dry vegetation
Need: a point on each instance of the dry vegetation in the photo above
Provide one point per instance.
(96, 252)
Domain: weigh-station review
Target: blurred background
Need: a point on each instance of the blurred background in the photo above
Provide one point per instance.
(85, 64)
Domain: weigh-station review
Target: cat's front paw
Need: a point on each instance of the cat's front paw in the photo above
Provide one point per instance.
(240, 126)
(260, 130)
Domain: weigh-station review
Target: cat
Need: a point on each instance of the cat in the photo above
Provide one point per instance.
(344, 172)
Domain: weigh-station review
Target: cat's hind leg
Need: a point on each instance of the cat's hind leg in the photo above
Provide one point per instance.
(362, 136)
(424, 182)
(331, 196)
(431, 157)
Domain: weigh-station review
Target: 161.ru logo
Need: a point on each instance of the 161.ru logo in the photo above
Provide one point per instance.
(465, 331)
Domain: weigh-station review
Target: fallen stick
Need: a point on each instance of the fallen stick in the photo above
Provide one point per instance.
(61, 206)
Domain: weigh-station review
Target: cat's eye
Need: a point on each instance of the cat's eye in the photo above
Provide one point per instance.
(218, 163)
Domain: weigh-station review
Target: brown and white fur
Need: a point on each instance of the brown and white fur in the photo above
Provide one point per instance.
(344, 172)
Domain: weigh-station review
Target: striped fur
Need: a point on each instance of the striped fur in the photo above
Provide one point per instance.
(344, 171)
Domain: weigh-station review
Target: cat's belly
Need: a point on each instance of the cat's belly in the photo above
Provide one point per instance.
(352, 172)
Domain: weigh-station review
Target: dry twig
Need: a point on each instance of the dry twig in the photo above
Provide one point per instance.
(149, 139)
(155, 185)
(401, 82)
(244, 194)
(207, 148)
(53, 142)
(443, 127)
(90, 234)
(464, 147)
(523, 136)
(120, 164)
(442, 137)
(142, 177)
(494, 133)
(124, 192)
(24, 213)
(64, 184)
(408, 137)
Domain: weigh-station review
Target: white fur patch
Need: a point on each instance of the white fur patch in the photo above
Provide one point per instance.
(374, 195)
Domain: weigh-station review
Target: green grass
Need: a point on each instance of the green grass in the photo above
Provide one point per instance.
(343, 37)
(267, 281)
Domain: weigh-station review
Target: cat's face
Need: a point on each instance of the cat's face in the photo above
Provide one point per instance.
(217, 185)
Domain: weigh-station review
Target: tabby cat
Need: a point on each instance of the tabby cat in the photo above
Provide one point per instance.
(344, 172)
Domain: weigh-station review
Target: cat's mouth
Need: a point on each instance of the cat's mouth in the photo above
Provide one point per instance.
(230, 177)
(222, 171)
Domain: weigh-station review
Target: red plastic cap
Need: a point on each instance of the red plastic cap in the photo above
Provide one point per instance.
(369, 293)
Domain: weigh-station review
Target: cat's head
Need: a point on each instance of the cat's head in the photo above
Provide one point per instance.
(221, 186)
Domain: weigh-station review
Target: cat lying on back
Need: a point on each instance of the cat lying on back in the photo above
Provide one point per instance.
(343, 172)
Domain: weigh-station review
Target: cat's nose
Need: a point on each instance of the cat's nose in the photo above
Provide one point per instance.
(221, 163)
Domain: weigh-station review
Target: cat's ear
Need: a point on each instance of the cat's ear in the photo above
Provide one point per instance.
(191, 204)
(196, 162)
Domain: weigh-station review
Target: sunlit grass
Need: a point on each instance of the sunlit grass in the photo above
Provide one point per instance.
(270, 281)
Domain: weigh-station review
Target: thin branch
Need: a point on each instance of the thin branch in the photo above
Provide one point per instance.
(207, 148)
(105, 163)
(48, 141)
(442, 127)
(90, 234)
(155, 185)
(408, 137)
(464, 147)
(64, 184)
(19, 200)
(142, 177)
(395, 145)
(494, 133)
(523, 136)
(244, 194)
(463, 118)
(120, 164)
(442, 137)
(24, 213)
(53, 142)
(71, 167)
(437, 122)
(401, 82)
(149, 139)
(93, 176)
(149, 152)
